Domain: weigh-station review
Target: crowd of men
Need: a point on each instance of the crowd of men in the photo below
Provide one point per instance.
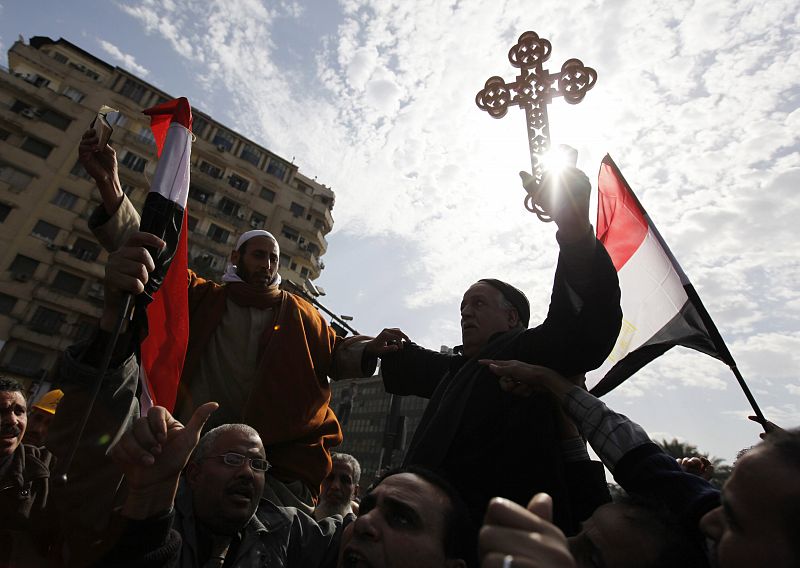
(241, 472)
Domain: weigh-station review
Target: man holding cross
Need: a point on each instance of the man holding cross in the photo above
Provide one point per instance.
(490, 443)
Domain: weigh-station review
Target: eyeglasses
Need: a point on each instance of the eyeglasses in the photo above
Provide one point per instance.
(237, 460)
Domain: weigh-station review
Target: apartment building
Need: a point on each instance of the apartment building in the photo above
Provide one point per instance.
(374, 422)
(51, 268)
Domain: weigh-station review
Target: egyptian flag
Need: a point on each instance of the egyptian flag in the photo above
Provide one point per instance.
(162, 312)
(660, 308)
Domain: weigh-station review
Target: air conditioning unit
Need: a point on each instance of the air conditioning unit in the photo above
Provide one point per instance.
(28, 113)
(21, 276)
(221, 147)
(52, 246)
(241, 216)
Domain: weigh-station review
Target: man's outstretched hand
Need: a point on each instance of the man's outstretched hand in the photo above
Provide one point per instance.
(387, 341)
(152, 454)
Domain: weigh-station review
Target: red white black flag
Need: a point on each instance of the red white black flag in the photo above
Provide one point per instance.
(660, 308)
(165, 299)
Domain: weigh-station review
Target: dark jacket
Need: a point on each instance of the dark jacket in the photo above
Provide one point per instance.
(274, 537)
(490, 443)
(25, 527)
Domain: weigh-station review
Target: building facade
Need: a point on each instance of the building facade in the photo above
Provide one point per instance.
(367, 413)
(51, 267)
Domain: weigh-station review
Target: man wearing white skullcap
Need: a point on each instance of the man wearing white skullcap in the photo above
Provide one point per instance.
(262, 353)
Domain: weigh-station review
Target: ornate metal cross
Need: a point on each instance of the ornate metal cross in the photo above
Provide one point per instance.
(533, 90)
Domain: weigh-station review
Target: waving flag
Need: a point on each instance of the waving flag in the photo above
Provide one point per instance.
(165, 299)
(660, 308)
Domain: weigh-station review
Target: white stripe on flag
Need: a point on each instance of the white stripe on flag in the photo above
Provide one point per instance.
(171, 179)
(652, 294)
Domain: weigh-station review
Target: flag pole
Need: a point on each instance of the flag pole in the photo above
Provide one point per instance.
(750, 398)
(122, 314)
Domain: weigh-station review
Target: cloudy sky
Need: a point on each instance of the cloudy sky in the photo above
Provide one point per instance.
(696, 101)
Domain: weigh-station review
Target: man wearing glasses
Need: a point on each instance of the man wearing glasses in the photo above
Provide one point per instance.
(214, 509)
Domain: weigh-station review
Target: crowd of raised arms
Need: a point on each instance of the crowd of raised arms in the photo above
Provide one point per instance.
(242, 471)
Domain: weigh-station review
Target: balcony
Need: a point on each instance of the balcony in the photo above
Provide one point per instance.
(67, 301)
(92, 268)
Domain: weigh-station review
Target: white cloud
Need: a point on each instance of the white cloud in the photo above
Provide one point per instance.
(126, 60)
(697, 103)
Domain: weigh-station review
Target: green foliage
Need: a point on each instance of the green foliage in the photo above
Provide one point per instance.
(678, 449)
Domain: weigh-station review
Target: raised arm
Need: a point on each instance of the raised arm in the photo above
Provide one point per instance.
(113, 222)
(584, 317)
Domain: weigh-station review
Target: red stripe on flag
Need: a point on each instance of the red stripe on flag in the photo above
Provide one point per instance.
(621, 225)
(161, 116)
(164, 349)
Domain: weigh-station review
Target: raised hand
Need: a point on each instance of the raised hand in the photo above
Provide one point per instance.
(513, 536)
(152, 454)
(101, 164)
(564, 195)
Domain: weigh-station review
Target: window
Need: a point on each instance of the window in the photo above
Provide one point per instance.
(65, 199)
(290, 233)
(79, 171)
(277, 169)
(4, 134)
(191, 222)
(210, 169)
(199, 125)
(267, 194)
(117, 119)
(223, 139)
(56, 119)
(60, 57)
(257, 221)
(218, 234)
(45, 230)
(228, 206)
(36, 147)
(47, 321)
(133, 90)
(85, 249)
(285, 260)
(37, 80)
(128, 190)
(7, 303)
(26, 361)
(73, 94)
(84, 328)
(238, 182)
(297, 209)
(293, 266)
(146, 136)
(15, 178)
(21, 107)
(5, 209)
(318, 224)
(23, 267)
(69, 283)
(305, 188)
(250, 154)
(198, 194)
(134, 161)
(304, 272)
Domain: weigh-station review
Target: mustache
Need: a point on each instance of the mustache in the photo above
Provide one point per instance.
(13, 430)
(243, 486)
